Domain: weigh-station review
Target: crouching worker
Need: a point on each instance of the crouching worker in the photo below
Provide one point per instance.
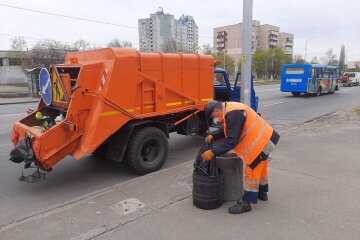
(251, 138)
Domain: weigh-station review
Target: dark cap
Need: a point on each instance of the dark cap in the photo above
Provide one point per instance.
(209, 108)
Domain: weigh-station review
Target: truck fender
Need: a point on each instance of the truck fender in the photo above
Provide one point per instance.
(118, 142)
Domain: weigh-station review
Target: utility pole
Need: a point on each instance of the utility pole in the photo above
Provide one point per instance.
(236, 56)
(247, 53)
(306, 47)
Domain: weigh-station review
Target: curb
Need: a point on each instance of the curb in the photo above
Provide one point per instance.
(10, 103)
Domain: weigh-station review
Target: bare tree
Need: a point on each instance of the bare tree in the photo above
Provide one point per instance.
(117, 44)
(314, 60)
(49, 51)
(329, 58)
(81, 45)
(18, 44)
(170, 46)
(207, 49)
(298, 58)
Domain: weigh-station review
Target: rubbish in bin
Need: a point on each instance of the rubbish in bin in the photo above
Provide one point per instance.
(59, 118)
(46, 121)
(205, 168)
(40, 129)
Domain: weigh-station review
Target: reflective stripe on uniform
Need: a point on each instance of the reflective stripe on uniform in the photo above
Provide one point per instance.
(251, 182)
(255, 141)
(253, 124)
(249, 189)
(263, 179)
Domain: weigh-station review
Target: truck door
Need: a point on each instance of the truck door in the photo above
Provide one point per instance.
(222, 89)
(236, 91)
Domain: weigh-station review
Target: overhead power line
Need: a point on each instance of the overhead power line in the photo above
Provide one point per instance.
(77, 18)
(66, 16)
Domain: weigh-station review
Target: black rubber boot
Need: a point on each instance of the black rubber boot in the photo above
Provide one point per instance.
(263, 196)
(240, 207)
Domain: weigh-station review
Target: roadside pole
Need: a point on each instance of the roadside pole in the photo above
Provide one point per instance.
(247, 53)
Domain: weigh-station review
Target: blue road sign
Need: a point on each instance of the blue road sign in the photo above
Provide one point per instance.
(45, 86)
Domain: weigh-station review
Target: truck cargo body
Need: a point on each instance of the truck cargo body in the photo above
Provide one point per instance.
(112, 99)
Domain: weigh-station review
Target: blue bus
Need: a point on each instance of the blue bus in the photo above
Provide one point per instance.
(309, 79)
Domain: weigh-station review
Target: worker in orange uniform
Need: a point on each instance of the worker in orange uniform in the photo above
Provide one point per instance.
(251, 138)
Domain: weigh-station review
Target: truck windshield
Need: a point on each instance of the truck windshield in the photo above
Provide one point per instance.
(219, 79)
(349, 74)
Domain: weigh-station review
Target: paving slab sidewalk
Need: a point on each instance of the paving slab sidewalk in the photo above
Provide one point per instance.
(314, 194)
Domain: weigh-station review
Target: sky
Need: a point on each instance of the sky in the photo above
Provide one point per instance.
(322, 24)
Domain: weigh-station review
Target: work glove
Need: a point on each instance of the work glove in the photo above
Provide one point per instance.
(209, 138)
(207, 155)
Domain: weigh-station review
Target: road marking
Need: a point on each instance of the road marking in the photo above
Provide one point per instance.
(267, 90)
(272, 104)
(14, 114)
(351, 107)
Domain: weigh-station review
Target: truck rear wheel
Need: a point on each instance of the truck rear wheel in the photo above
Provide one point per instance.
(147, 150)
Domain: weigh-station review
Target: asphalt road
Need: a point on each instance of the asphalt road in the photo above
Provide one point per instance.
(71, 179)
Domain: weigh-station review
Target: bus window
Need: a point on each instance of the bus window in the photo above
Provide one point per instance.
(319, 73)
(294, 70)
(326, 73)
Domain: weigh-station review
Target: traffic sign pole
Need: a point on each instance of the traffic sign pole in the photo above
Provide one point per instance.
(247, 53)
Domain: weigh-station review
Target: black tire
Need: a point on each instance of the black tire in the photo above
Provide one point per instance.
(147, 150)
(295, 93)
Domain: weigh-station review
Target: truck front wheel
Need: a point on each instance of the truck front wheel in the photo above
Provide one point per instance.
(147, 150)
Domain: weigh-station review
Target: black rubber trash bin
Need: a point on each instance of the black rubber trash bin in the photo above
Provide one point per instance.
(207, 191)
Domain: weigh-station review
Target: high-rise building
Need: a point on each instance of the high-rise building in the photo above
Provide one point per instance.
(157, 31)
(287, 42)
(187, 35)
(161, 32)
(268, 36)
(229, 39)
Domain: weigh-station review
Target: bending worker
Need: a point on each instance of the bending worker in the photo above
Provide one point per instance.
(251, 138)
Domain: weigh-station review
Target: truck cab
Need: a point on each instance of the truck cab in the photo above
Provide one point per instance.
(350, 79)
(225, 91)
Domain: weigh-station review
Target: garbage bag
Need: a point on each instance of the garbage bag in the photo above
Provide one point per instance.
(22, 152)
(205, 168)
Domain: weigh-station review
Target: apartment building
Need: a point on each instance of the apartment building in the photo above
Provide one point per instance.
(229, 39)
(286, 41)
(268, 36)
(162, 32)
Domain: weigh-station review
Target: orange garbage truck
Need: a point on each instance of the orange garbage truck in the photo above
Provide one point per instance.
(118, 104)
